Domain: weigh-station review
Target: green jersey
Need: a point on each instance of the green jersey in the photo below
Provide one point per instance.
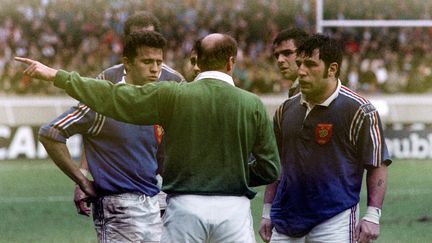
(211, 129)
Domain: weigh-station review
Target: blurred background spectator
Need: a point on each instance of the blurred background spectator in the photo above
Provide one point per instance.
(85, 36)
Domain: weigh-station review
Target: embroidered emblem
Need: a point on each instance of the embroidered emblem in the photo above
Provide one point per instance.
(368, 108)
(323, 133)
(158, 133)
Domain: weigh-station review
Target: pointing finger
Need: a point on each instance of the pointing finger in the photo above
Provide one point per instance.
(24, 60)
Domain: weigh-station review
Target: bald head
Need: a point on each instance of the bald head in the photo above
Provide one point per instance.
(215, 51)
(211, 40)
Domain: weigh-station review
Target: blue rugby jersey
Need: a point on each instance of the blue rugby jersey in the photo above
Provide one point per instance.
(117, 72)
(323, 158)
(121, 156)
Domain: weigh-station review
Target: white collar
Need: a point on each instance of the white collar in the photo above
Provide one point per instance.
(215, 75)
(327, 102)
(295, 83)
(123, 80)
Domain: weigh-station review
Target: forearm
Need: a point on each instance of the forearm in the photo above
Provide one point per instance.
(83, 160)
(59, 153)
(269, 195)
(270, 192)
(376, 181)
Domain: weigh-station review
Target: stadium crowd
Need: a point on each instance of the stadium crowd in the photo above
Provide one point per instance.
(86, 36)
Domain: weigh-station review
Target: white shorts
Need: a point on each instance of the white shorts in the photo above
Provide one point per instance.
(338, 229)
(195, 218)
(162, 200)
(127, 217)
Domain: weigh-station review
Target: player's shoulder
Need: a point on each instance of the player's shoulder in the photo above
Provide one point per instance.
(290, 101)
(113, 74)
(119, 68)
(355, 100)
(168, 73)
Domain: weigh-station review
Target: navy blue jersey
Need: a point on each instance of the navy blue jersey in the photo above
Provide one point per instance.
(169, 74)
(117, 72)
(121, 156)
(323, 157)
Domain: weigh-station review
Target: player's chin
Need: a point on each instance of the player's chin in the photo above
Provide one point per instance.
(305, 88)
(285, 71)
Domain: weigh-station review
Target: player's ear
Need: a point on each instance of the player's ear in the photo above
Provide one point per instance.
(126, 63)
(332, 69)
(231, 63)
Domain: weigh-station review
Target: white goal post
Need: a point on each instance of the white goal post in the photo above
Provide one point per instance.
(321, 22)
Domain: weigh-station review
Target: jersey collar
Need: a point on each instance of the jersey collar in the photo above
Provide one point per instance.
(215, 75)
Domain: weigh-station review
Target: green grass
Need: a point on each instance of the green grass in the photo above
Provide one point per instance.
(36, 204)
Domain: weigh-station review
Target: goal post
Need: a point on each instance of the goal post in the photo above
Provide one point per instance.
(321, 23)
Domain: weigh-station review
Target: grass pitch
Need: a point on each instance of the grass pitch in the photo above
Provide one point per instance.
(36, 204)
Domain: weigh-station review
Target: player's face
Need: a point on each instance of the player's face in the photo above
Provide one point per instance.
(193, 61)
(313, 85)
(285, 54)
(146, 66)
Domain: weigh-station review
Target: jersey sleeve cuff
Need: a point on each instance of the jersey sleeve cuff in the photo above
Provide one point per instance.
(61, 78)
(51, 133)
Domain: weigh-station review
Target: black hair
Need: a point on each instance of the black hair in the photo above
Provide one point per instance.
(142, 38)
(330, 50)
(296, 34)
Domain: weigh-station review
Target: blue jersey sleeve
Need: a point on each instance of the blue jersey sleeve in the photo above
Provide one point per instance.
(77, 120)
(371, 142)
(169, 74)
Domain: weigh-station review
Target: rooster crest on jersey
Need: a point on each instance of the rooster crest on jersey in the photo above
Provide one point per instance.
(323, 133)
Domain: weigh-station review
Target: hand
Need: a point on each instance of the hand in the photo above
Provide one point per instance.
(37, 69)
(82, 206)
(265, 229)
(88, 188)
(366, 231)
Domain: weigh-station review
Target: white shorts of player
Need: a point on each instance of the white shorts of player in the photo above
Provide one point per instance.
(339, 229)
(162, 195)
(127, 217)
(162, 200)
(195, 218)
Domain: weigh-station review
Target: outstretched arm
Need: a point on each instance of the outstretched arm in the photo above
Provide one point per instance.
(142, 105)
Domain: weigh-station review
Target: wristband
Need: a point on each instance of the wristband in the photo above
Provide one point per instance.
(266, 210)
(84, 172)
(373, 214)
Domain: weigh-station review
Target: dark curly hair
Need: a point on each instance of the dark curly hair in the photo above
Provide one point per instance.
(330, 50)
(142, 38)
(298, 35)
